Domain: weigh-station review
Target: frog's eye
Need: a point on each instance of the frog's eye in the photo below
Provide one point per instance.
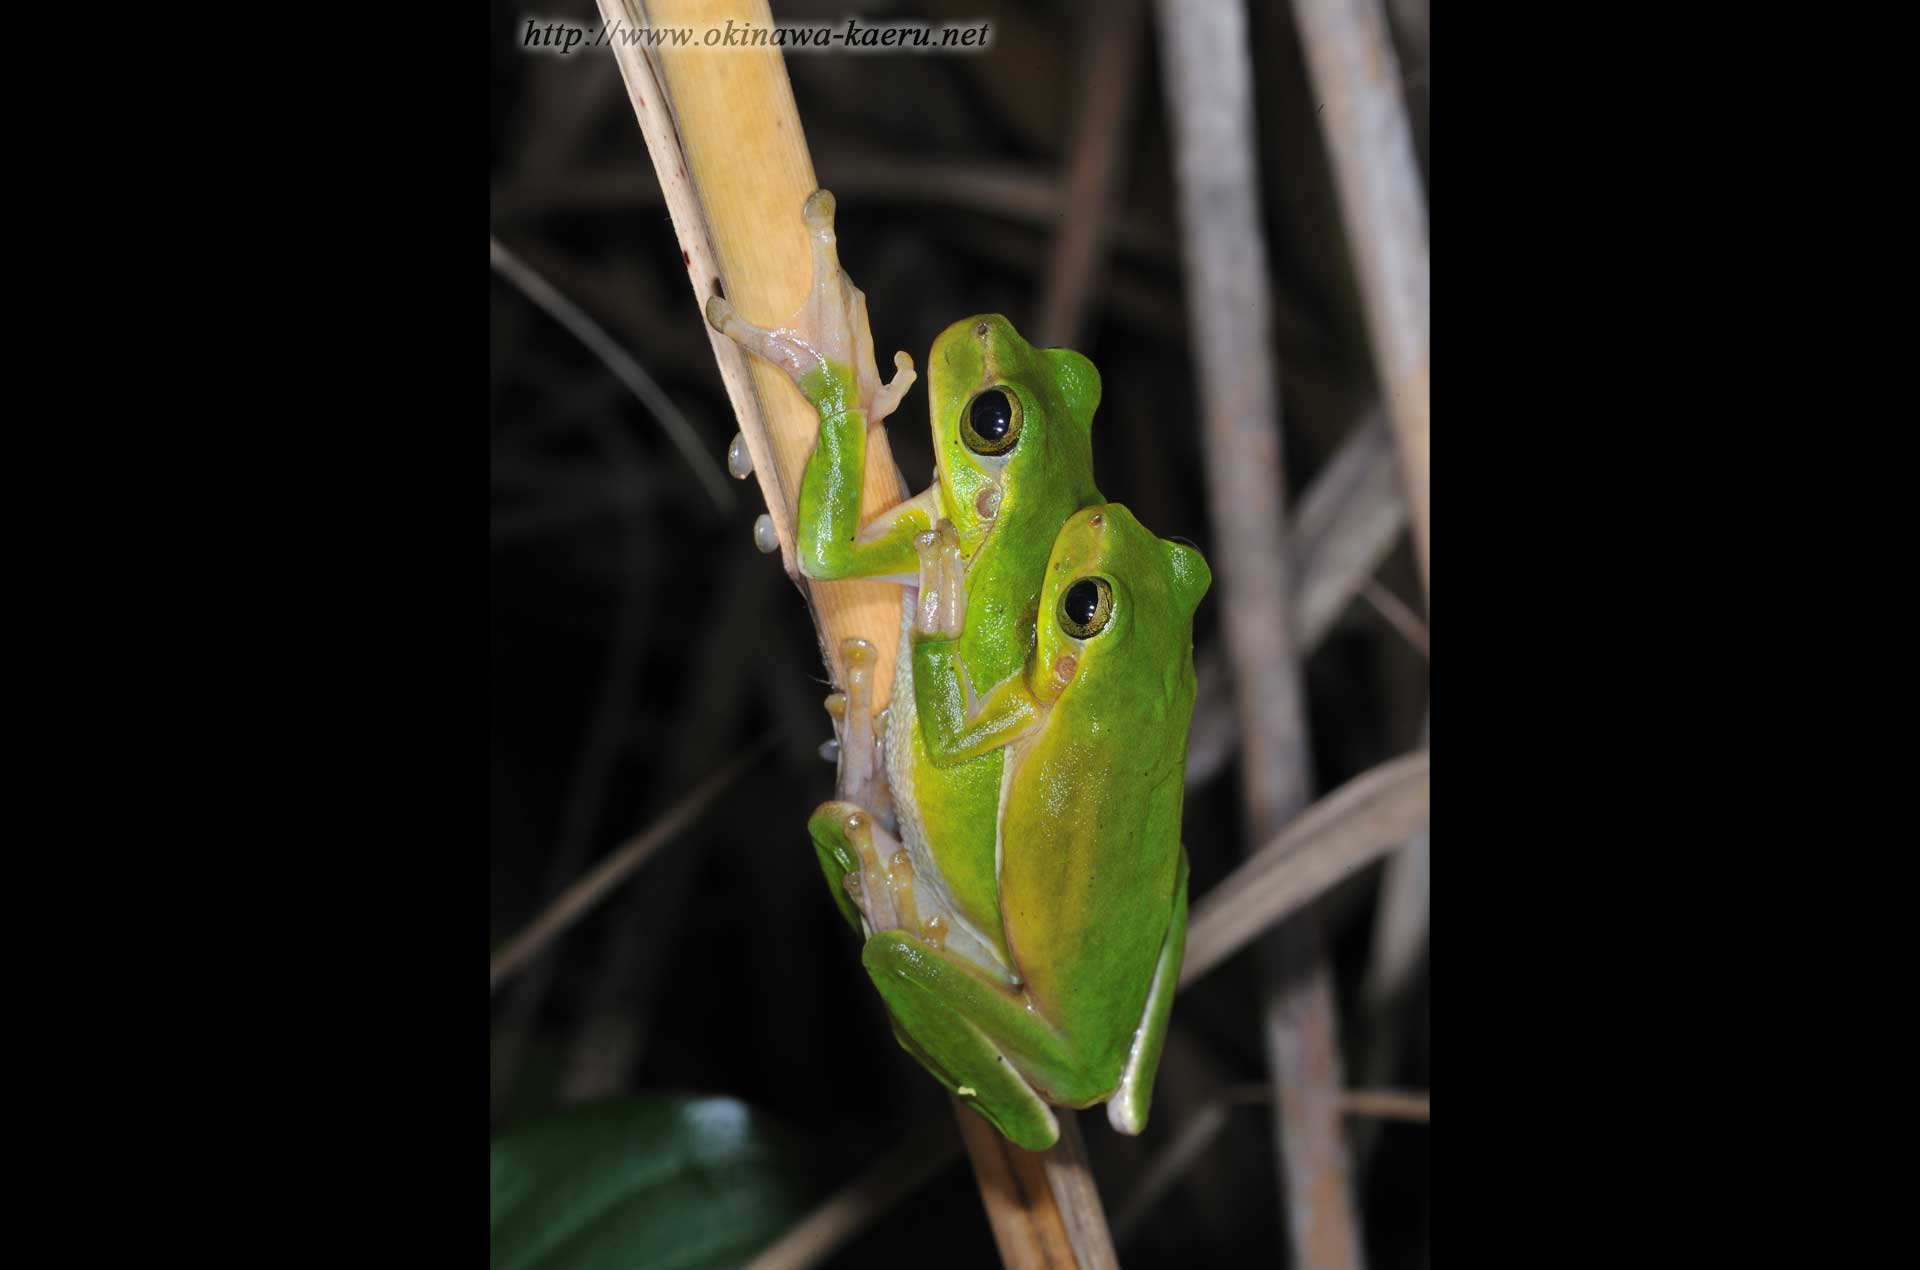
(1085, 607)
(992, 423)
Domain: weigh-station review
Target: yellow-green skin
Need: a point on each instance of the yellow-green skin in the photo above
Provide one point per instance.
(1093, 892)
(950, 804)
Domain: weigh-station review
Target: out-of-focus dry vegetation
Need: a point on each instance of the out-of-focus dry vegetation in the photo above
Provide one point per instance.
(640, 642)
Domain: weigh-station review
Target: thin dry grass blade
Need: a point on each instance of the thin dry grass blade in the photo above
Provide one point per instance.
(1345, 526)
(1350, 828)
(1399, 945)
(854, 1207)
(1389, 1104)
(1398, 615)
(1198, 1132)
(1347, 522)
(550, 298)
(1190, 1141)
(579, 899)
(1095, 172)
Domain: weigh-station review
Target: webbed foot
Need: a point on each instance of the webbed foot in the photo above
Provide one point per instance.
(863, 772)
(827, 347)
(871, 874)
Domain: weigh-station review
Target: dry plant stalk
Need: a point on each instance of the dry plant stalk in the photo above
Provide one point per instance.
(725, 139)
(726, 143)
(1209, 78)
(1045, 1210)
(1357, 80)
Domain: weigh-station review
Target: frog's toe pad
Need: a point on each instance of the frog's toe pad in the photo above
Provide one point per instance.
(942, 608)
(818, 210)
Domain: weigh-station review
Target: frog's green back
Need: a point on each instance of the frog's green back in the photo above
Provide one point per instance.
(1092, 834)
(1044, 478)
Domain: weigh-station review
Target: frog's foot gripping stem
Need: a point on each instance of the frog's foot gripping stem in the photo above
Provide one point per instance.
(863, 772)
(941, 612)
(871, 874)
(842, 841)
(827, 347)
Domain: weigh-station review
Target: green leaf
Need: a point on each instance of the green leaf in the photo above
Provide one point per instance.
(669, 1183)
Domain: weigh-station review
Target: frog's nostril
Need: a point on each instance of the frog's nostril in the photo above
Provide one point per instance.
(981, 330)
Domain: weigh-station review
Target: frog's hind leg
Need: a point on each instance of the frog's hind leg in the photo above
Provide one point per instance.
(934, 1001)
(1127, 1109)
(863, 763)
(852, 835)
(839, 859)
(854, 854)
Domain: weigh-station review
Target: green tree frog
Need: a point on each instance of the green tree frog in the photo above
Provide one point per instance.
(1092, 875)
(1012, 439)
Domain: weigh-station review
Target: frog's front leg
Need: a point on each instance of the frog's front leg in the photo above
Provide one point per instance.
(827, 350)
(956, 724)
(940, 609)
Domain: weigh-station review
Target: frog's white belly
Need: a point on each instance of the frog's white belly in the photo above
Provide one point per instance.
(929, 887)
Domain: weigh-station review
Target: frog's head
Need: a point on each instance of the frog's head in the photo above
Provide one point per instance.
(1117, 607)
(1006, 417)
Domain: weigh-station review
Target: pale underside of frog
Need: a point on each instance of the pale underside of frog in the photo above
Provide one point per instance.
(1007, 834)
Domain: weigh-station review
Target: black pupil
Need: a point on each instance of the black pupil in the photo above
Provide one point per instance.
(991, 415)
(1083, 597)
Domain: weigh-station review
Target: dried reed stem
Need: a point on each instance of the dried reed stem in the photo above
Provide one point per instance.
(1357, 80)
(1045, 1210)
(733, 164)
(1209, 79)
(726, 143)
